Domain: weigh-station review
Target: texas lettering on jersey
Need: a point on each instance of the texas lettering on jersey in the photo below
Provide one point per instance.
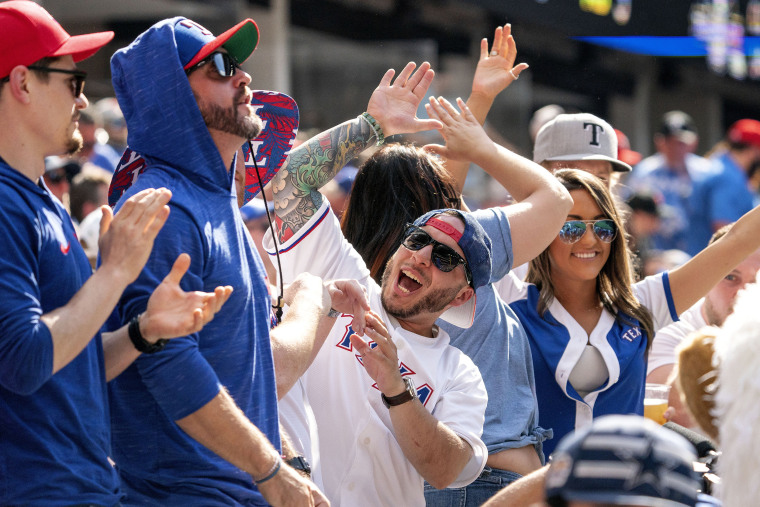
(423, 392)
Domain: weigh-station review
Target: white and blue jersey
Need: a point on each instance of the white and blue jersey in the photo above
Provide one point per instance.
(360, 460)
(557, 342)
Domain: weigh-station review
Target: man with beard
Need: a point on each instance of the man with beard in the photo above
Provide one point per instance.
(197, 423)
(406, 407)
(54, 361)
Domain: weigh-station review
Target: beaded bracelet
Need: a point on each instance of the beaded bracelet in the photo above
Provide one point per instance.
(272, 471)
(376, 128)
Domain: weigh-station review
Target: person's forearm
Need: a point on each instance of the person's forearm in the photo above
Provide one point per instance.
(436, 452)
(542, 202)
(73, 325)
(295, 344)
(309, 167)
(693, 279)
(527, 490)
(118, 352)
(223, 428)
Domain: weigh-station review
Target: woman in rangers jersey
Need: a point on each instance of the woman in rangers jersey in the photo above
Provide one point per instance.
(588, 324)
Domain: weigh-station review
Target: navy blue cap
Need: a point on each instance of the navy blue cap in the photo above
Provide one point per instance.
(476, 246)
(623, 460)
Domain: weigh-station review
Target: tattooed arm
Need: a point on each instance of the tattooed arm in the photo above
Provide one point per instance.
(315, 162)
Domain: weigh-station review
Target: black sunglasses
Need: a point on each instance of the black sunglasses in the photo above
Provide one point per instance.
(443, 256)
(224, 64)
(573, 230)
(77, 84)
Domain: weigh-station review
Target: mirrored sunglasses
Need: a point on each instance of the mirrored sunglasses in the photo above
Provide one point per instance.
(573, 230)
(224, 64)
(443, 256)
(77, 82)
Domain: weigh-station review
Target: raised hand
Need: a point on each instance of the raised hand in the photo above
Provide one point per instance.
(381, 361)
(172, 312)
(127, 239)
(496, 69)
(464, 136)
(349, 296)
(394, 104)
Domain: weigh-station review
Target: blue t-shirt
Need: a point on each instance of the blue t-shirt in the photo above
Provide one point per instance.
(723, 197)
(158, 462)
(54, 430)
(498, 346)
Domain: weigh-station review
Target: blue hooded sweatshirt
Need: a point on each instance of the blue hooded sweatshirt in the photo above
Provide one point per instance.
(159, 464)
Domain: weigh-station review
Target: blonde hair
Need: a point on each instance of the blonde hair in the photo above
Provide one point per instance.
(615, 280)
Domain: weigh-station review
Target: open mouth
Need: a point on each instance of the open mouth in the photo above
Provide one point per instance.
(407, 282)
(586, 255)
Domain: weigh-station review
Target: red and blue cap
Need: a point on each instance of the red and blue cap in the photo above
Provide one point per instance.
(476, 246)
(29, 33)
(194, 42)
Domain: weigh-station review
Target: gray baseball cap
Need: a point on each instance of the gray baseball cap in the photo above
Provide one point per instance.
(580, 136)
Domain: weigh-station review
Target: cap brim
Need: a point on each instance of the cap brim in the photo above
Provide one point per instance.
(83, 46)
(240, 41)
(461, 316)
(617, 165)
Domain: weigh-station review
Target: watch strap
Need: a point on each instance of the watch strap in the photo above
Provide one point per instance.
(140, 343)
(408, 395)
(299, 463)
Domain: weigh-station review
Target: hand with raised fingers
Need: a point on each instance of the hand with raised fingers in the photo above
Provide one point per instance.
(172, 312)
(379, 355)
(350, 297)
(496, 69)
(127, 239)
(394, 103)
(464, 136)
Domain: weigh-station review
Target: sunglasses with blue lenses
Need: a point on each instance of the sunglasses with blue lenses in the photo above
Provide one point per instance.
(224, 64)
(443, 256)
(573, 230)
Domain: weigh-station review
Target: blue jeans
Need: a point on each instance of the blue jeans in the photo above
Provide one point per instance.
(490, 481)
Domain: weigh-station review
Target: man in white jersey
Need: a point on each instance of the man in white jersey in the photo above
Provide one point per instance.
(405, 406)
(712, 310)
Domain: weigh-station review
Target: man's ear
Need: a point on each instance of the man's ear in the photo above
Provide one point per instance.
(464, 295)
(18, 84)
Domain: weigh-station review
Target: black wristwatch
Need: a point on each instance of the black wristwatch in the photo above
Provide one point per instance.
(300, 463)
(141, 343)
(408, 395)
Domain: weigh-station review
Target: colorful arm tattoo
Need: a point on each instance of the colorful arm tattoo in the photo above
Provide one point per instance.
(309, 167)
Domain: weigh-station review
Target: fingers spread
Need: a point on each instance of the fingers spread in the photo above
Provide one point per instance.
(403, 77)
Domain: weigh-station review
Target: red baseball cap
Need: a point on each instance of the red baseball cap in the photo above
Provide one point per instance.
(625, 153)
(745, 131)
(29, 33)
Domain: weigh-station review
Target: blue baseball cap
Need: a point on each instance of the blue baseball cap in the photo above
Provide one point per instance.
(194, 42)
(476, 246)
(623, 460)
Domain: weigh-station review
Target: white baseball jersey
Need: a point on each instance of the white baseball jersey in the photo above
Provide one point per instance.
(667, 339)
(361, 462)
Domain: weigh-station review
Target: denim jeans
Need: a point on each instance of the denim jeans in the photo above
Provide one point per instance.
(490, 481)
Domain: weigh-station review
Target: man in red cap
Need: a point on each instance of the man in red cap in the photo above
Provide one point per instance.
(54, 362)
(725, 195)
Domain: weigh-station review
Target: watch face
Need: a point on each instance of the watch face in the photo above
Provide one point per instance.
(410, 386)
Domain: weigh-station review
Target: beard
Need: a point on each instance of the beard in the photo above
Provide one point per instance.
(230, 120)
(434, 302)
(75, 143)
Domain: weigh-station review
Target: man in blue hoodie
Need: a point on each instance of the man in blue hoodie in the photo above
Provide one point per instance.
(54, 362)
(199, 419)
